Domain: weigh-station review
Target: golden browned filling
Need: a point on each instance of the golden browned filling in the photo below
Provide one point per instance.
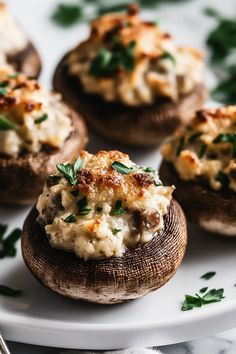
(102, 205)
(133, 61)
(30, 117)
(206, 149)
(13, 39)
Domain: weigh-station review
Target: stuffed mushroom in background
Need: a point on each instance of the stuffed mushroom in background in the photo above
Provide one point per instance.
(104, 230)
(130, 81)
(200, 160)
(15, 48)
(36, 131)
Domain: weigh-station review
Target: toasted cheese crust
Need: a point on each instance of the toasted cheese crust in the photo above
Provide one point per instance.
(106, 211)
(13, 40)
(149, 66)
(206, 149)
(30, 117)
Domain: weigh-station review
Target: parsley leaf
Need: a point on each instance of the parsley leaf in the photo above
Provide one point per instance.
(70, 218)
(41, 119)
(203, 290)
(213, 295)
(115, 231)
(121, 168)
(109, 61)
(118, 210)
(7, 243)
(81, 205)
(168, 55)
(67, 14)
(6, 124)
(69, 171)
(208, 275)
(7, 291)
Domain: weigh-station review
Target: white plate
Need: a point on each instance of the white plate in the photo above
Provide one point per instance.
(44, 318)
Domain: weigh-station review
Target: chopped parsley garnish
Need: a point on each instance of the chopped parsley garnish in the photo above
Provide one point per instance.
(203, 290)
(6, 124)
(223, 179)
(227, 138)
(69, 171)
(4, 83)
(41, 119)
(180, 146)
(70, 218)
(208, 275)
(148, 169)
(168, 55)
(3, 91)
(108, 62)
(118, 209)
(202, 150)
(75, 193)
(121, 168)
(67, 14)
(13, 76)
(7, 291)
(115, 231)
(8, 243)
(213, 295)
(194, 136)
(81, 205)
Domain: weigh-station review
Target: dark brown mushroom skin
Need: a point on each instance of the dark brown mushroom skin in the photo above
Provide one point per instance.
(26, 61)
(22, 178)
(198, 200)
(111, 280)
(143, 126)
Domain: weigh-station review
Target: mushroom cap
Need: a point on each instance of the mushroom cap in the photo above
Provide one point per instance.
(111, 280)
(144, 126)
(22, 177)
(212, 210)
(26, 61)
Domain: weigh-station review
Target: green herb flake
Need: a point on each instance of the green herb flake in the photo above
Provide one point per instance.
(203, 290)
(149, 170)
(70, 218)
(6, 124)
(8, 243)
(208, 275)
(14, 76)
(69, 171)
(121, 168)
(180, 146)
(118, 209)
(81, 205)
(212, 296)
(223, 179)
(202, 150)
(109, 61)
(66, 15)
(41, 119)
(168, 56)
(194, 137)
(115, 231)
(3, 91)
(7, 291)
(4, 83)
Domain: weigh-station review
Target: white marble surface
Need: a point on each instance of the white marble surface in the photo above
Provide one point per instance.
(190, 26)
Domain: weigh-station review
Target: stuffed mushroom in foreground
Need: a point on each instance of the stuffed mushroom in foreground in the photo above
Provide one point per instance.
(15, 47)
(201, 161)
(36, 131)
(130, 81)
(104, 230)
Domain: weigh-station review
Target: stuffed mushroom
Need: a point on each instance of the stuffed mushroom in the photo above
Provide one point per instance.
(200, 161)
(15, 48)
(104, 230)
(130, 81)
(36, 131)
